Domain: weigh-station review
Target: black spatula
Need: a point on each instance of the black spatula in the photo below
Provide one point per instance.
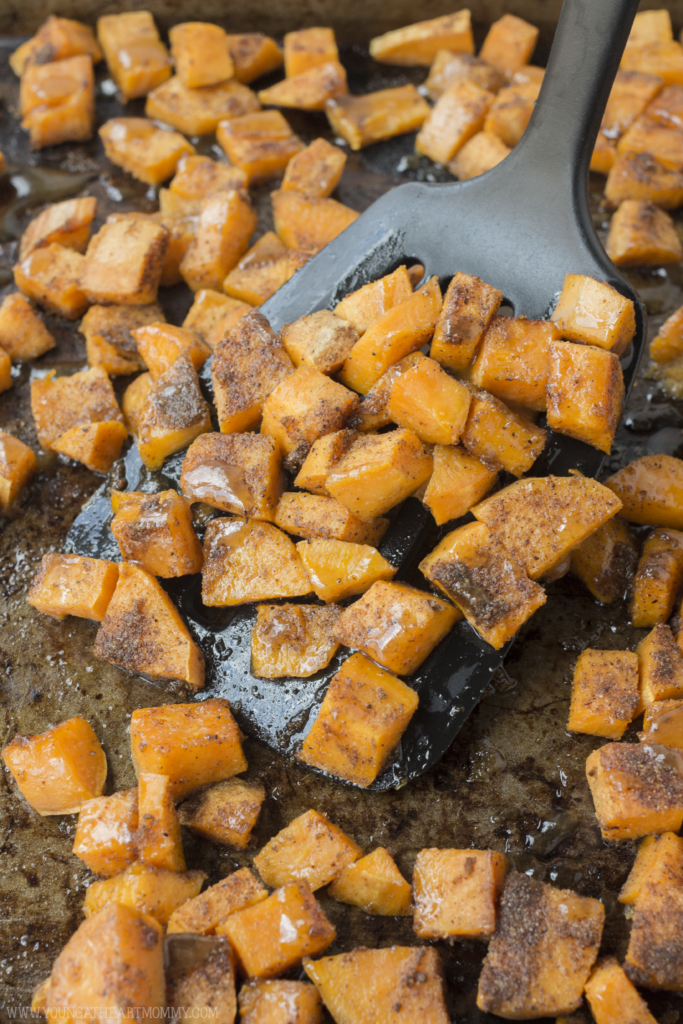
(521, 227)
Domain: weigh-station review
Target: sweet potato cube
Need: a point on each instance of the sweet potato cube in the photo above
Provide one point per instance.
(212, 315)
(374, 884)
(509, 44)
(194, 744)
(136, 57)
(112, 962)
(202, 914)
(262, 270)
(231, 549)
(60, 403)
(310, 849)
(158, 839)
(611, 996)
(401, 330)
(631, 93)
(667, 345)
(660, 57)
(375, 116)
(17, 465)
(663, 723)
(96, 445)
(418, 44)
(339, 569)
(665, 106)
(261, 143)
(513, 360)
(482, 152)
(660, 663)
(605, 695)
(73, 585)
(174, 414)
(428, 401)
(458, 481)
(123, 263)
(449, 67)
(325, 453)
(641, 176)
(494, 593)
(540, 520)
(156, 532)
(658, 578)
(499, 437)
(458, 115)
(316, 170)
(145, 889)
(52, 276)
(237, 473)
(542, 951)
(309, 90)
(56, 39)
(134, 401)
(293, 639)
(197, 177)
(322, 340)
(456, 893)
(200, 53)
(105, 832)
(309, 48)
(23, 335)
(200, 978)
(468, 307)
(650, 27)
(373, 412)
(143, 632)
(253, 55)
(362, 307)
(307, 223)
(225, 813)
(270, 1000)
(407, 985)
(248, 365)
(109, 341)
(59, 770)
(659, 862)
(606, 560)
(654, 951)
(397, 625)
(149, 153)
(651, 491)
(641, 234)
(160, 344)
(225, 226)
(58, 101)
(378, 472)
(66, 223)
(637, 789)
(603, 156)
(312, 515)
(510, 112)
(585, 393)
(664, 142)
(199, 111)
(594, 313)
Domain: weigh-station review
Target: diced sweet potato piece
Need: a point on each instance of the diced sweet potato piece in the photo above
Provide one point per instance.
(199, 111)
(310, 849)
(362, 120)
(136, 57)
(430, 402)
(145, 889)
(226, 224)
(105, 832)
(225, 813)
(641, 176)
(658, 578)
(23, 335)
(253, 55)
(655, 951)
(113, 961)
(373, 412)
(374, 884)
(134, 401)
(651, 491)
(307, 223)
(660, 663)
(237, 473)
(511, 110)
(659, 862)
(540, 520)
(156, 532)
(263, 269)
(397, 625)
(123, 263)
(109, 342)
(200, 978)
(197, 177)
(200, 53)
(60, 403)
(468, 307)
(419, 43)
(605, 695)
(585, 393)
(637, 789)
(407, 985)
(339, 569)
(261, 144)
(17, 465)
(158, 839)
(278, 932)
(311, 515)
(456, 893)
(73, 585)
(667, 345)
(160, 344)
(663, 142)
(362, 307)
(482, 152)
(59, 770)
(58, 101)
(457, 116)
(194, 744)
(449, 67)
(509, 44)
(212, 315)
(309, 90)
(143, 632)
(174, 414)
(611, 996)
(322, 340)
(499, 437)
(52, 276)
(96, 445)
(660, 57)
(603, 156)
(513, 360)
(458, 481)
(641, 234)
(66, 223)
(293, 639)
(325, 453)
(309, 48)
(606, 560)
(631, 93)
(663, 724)
(595, 313)
(316, 170)
(56, 39)
(202, 914)
(248, 364)
(665, 105)
(650, 27)
(494, 593)
(270, 1001)
(234, 549)
(542, 951)
(141, 148)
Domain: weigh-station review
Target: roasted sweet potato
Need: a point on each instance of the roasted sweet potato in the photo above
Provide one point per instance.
(60, 403)
(109, 342)
(96, 445)
(650, 27)
(366, 305)
(660, 664)
(467, 309)
(141, 148)
(310, 849)
(123, 263)
(374, 884)
(510, 111)
(605, 694)
(509, 44)
(160, 344)
(5, 371)
(662, 57)
(263, 269)
(293, 639)
(17, 465)
(513, 360)
(456, 893)
(373, 412)
(325, 453)
(309, 48)
(225, 813)
(449, 67)
(312, 515)
(631, 93)
(261, 1001)
(322, 340)
(158, 841)
(585, 393)
(136, 57)
(642, 235)
(199, 111)
(59, 770)
(654, 951)
(58, 101)
(200, 978)
(66, 223)
(56, 39)
(105, 832)
(134, 401)
(651, 491)
(316, 170)
(237, 473)
(661, 141)
(663, 723)
(307, 223)
(458, 115)
(641, 176)
(212, 315)
(51, 276)
(155, 531)
(23, 335)
(339, 569)
(225, 226)
(196, 178)
(253, 55)
(658, 578)
(458, 481)
(309, 90)
(428, 401)
(594, 313)
(606, 560)
(73, 585)
(637, 789)
(611, 996)
(482, 152)
(667, 345)
(419, 43)
(363, 120)
(261, 144)
(202, 914)
(145, 889)
(174, 413)
(500, 437)
(200, 53)
(659, 862)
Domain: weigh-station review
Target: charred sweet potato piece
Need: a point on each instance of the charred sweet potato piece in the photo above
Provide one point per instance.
(641, 234)
(136, 57)
(468, 307)
(160, 344)
(194, 744)
(17, 465)
(309, 48)
(511, 110)
(325, 453)
(58, 101)
(594, 313)
(237, 473)
(651, 491)
(456, 893)
(263, 1000)
(261, 143)
(641, 176)
(637, 789)
(316, 170)
(225, 813)
(143, 632)
(363, 120)
(145, 889)
(105, 832)
(499, 437)
(339, 569)
(66, 223)
(247, 560)
(322, 340)
(60, 403)
(51, 276)
(374, 884)
(513, 361)
(663, 723)
(310, 849)
(109, 341)
(293, 639)
(509, 44)
(542, 951)
(585, 393)
(23, 335)
(428, 401)
(263, 269)
(362, 307)
(307, 223)
(225, 226)
(56, 39)
(654, 954)
(419, 43)
(605, 696)
(147, 152)
(155, 531)
(458, 481)
(200, 53)
(660, 663)
(312, 515)
(449, 67)
(407, 985)
(458, 115)
(158, 839)
(173, 415)
(96, 445)
(123, 263)
(611, 996)
(309, 90)
(202, 914)
(73, 585)
(396, 625)
(606, 560)
(658, 578)
(253, 55)
(199, 111)
(212, 315)
(474, 569)
(482, 152)
(659, 862)
(59, 770)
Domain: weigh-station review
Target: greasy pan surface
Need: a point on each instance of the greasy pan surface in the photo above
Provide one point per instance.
(514, 780)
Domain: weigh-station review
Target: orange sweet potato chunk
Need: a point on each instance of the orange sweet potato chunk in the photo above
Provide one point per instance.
(59, 770)
(325, 453)
(158, 840)
(313, 515)
(641, 234)
(339, 569)
(501, 438)
(294, 640)
(310, 849)
(458, 481)
(144, 150)
(253, 55)
(135, 399)
(60, 403)
(308, 223)
(509, 44)
(482, 152)
(458, 115)
(73, 585)
(196, 178)
(663, 723)
(145, 889)
(585, 393)
(237, 473)
(593, 312)
(96, 445)
(124, 262)
(51, 275)
(109, 341)
(418, 44)
(467, 309)
(225, 813)
(374, 884)
(203, 914)
(309, 48)
(513, 361)
(659, 862)
(309, 90)
(612, 997)
(606, 560)
(316, 170)
(160, 344)
(105, 832)
(66, 223)
(173, 413)
(58, 101)
(658, 578)
(137, 59)
(653, 957)
(511, 110)
(651, 491)
(56, 39)
(200, 111)
(226, 224)
(660, 663)
(428, 401)
(17, 465)
(456, 893)
(200, 53)
(641, 176)
(368, 303)
(363, 120)
(23, 335)
(322, 340)
(605, 695)
(261, 1001)
(212, 315)
(156, 532)
(263, 269)
(449, 67)
(637, 789)
(260, 143)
